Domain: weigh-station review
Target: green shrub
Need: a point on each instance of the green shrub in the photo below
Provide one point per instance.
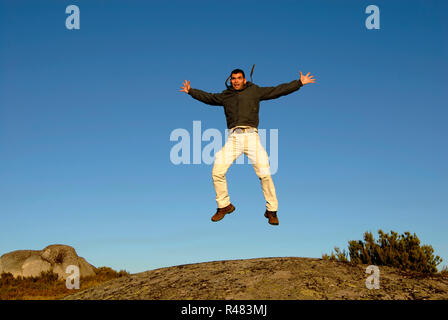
(400, 251)
(341, 256)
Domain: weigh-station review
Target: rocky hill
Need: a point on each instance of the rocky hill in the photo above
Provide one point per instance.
(55, 258)
(268, 278)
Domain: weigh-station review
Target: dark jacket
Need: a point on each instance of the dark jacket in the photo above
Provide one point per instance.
(241, 107)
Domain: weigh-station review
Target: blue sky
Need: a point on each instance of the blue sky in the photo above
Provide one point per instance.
(86, 116)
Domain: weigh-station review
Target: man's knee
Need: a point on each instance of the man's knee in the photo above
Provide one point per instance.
(263, 173)
(219, 172)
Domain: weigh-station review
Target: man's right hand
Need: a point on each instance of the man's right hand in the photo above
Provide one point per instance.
(186, 87)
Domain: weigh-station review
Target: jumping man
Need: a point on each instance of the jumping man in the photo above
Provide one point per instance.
(241, 102)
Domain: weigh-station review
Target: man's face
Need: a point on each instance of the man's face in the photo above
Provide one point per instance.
(238, 81)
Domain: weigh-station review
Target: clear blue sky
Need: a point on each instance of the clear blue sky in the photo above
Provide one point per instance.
(86, 116)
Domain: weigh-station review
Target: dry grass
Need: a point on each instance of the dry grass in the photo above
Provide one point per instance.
(47, 286)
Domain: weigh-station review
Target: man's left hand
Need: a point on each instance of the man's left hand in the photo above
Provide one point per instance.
(306, 79)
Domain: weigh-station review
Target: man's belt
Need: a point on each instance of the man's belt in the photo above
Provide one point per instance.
(243, 130)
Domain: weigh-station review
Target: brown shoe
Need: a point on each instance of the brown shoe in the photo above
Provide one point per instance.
(272, 216)
(221, 212)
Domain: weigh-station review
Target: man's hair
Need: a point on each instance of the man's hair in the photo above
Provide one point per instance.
(237, 71)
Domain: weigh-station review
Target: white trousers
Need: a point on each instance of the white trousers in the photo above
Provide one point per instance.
(250, 145)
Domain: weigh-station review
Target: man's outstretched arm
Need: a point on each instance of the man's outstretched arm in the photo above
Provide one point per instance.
(214, 99)
(283, 89)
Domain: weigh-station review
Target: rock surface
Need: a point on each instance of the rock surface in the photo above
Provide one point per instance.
(55, 257)
(268, 278)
